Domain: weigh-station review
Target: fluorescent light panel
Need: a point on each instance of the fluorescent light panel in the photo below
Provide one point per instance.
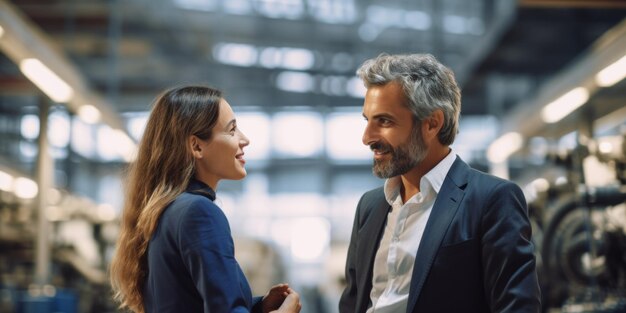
(89, 114)
(6, 181)
(612, 74)
(297, 134)
(343, 137)
(564, 105)
(295, 81)
(504, 147)
(126, 148)
(256, 126)
(25, 188)
(51, 84)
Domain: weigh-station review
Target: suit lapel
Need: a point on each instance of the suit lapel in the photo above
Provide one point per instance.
(444, 209)
(369, 240)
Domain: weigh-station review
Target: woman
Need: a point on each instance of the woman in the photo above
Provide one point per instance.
(175, 251)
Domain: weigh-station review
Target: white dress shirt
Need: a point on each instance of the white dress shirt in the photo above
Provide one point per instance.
(393, 264)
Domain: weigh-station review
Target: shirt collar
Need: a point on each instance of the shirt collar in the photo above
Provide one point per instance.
(199, 188)
(438, 174)
(392, 189)
(434, 178)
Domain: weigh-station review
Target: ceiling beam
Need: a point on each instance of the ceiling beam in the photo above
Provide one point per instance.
(503, 16)
(21, 39)
(526, 117)
(560, 4)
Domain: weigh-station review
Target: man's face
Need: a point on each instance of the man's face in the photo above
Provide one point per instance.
(391, 133)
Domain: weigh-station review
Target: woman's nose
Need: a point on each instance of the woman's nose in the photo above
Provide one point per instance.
(243, 141)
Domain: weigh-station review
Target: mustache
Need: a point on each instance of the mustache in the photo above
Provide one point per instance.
(382, 147)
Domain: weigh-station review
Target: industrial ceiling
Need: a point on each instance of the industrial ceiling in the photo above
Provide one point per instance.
(271, 54)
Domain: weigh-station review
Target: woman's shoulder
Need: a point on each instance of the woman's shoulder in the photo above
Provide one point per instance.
(190, 203)
(198, 218)
(194, 208)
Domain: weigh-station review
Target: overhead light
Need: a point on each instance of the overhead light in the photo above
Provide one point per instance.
(29, 126)
(126, 148)
(89, 114)
(356, 88)
(238, 54)
(114, 144)
(295, 81)
(59, 133)
(564, 105)
(297, 134)
(259, 125)
(25, 188)
(419, 20)
(605, 147)
(455, 24)
(51, 84)
(271, 57)
(612, 74)
(198, 5)
(297, 59)
(6, 181)
(343, 137)
(504, 147)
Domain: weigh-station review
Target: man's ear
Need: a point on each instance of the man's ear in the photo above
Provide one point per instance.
(194, 146)
(432, 125)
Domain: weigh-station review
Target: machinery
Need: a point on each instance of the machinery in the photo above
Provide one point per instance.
(81, 239)
(580, 230)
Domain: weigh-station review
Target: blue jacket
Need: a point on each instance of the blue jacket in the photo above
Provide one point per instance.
(475, 255)
(191, 259)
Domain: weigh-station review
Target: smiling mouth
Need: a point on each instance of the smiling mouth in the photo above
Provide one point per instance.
(240, 158)
(379, 153)
(380, 149)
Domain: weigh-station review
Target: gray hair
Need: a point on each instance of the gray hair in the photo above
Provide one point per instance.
(427, 84)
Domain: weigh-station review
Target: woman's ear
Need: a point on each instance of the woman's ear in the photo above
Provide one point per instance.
(195, 147)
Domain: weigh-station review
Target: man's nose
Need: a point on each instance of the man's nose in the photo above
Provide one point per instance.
(369, 135)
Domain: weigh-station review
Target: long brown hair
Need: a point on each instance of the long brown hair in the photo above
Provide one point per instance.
(161, 172)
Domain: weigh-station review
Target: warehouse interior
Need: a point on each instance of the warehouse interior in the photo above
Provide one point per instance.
(543, 104)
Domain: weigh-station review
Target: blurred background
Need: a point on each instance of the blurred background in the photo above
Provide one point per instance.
(543, 105)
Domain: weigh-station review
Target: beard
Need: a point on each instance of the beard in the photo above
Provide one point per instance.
(403, 158)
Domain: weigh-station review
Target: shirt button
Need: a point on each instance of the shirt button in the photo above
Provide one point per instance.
(395, 238)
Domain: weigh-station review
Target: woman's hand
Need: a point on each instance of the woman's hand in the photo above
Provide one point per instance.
(275, 297)
(291, 304)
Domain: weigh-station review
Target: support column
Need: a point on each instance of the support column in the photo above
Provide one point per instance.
(44, 176)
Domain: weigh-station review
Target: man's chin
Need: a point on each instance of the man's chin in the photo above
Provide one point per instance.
(380, 171)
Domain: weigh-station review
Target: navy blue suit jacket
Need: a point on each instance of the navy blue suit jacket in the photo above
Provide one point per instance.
(475, 254)
(191, 260)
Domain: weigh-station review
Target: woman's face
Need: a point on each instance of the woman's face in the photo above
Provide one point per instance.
(221, 156)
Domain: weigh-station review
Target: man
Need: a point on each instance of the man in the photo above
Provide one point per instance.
(439, 236)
